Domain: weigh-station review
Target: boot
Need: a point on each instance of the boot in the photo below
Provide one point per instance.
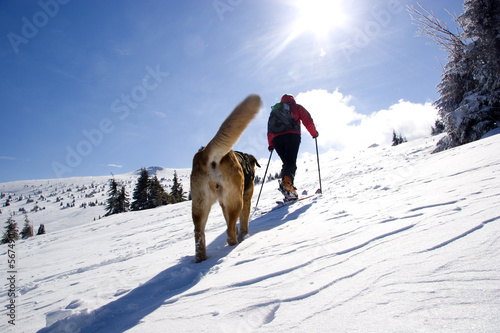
(287, 188)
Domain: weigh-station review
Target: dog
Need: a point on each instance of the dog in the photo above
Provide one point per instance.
(218, 175)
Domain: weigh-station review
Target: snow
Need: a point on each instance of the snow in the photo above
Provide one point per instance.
(491, 133)
(401, 240)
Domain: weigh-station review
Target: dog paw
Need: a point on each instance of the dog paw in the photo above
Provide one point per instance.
(242, 236)
(200, 259)
(201, 256)
(232, 241)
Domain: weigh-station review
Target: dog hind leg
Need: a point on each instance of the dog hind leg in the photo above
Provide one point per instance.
(245, 214)
(200, 211)
(199, 237)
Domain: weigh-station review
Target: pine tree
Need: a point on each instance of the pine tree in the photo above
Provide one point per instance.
(397, 139)
(177, 193)
(27, 229)
(438, 127)
(11, 231)
(41, 230)
(394, 138)
(457, 80)
(123, 202)
(481, 24)
(158, 196)
(117, 201)
(112, 201)
(469, 102)
(141, 191)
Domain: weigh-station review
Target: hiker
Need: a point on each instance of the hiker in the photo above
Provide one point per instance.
(283, 134)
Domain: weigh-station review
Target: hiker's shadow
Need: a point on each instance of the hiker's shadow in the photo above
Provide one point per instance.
(276, 218)
(128, 311)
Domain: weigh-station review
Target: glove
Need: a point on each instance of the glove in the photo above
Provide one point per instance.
(270, 148)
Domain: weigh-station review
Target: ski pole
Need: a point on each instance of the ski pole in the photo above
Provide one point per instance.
(319, 171)
(263, 180)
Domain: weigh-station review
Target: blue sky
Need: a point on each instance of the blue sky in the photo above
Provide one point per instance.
(99, 87)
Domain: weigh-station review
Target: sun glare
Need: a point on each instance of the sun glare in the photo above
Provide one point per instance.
(320, 16)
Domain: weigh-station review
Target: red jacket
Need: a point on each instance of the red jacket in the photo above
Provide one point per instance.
(299, 113)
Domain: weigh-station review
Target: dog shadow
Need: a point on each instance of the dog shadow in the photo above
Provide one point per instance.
(129, 310)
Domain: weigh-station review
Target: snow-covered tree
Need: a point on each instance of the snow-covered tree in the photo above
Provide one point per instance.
(480, 22)
(27, 231)
(481, 25)
(438, 127)
(469, 102)
(11, 231)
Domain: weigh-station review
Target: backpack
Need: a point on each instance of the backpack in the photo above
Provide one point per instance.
(281, 120)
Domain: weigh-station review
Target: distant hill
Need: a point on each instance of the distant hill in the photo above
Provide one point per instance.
(66, 202)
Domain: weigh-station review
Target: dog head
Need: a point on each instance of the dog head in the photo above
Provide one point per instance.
(253, 162)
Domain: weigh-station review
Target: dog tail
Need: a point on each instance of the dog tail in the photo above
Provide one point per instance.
(232, 128)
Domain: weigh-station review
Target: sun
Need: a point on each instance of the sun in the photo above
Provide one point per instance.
(319, 17)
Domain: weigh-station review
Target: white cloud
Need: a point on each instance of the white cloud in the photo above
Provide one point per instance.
(159, 114)
(115, 165)
(341, 127)
(8, 158)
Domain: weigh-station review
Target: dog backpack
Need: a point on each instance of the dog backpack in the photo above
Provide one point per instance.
(245, 165)
(281, 120)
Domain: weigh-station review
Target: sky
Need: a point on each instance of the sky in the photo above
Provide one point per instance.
(93, 88)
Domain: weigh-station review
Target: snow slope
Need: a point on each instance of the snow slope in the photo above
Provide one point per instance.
(401, 241)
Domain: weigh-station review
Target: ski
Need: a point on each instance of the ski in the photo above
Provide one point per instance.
(289, 202)
(282, 203)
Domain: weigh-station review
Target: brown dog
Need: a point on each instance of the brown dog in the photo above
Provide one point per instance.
(217, 175)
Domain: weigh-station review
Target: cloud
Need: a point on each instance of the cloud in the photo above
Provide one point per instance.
(341, 127)
(8, 158)
(115, 165)
(159, 114)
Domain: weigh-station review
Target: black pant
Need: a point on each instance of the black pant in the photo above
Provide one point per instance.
(287, 147)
